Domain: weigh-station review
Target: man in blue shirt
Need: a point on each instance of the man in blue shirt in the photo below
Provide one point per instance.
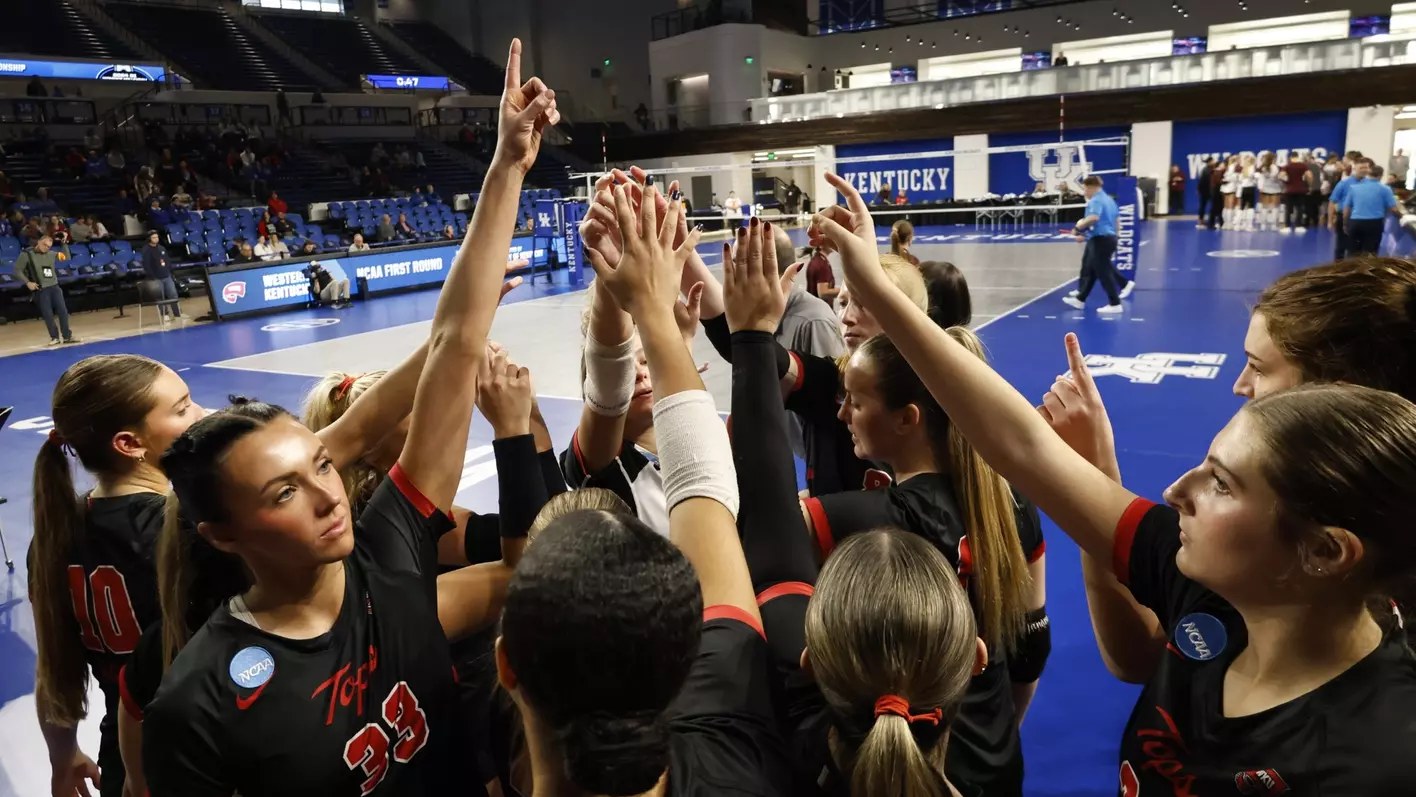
(1364, 210)
(1098, 229)
(1359, 168)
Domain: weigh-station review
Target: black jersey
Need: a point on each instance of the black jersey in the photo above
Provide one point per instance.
(831, 463)
(113, 589)
(723, 737)
(359, 710)
(633, 475)
(1353, 735)
(984, 750)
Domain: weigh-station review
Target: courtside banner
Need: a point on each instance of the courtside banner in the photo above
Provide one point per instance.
(1322, 132)
(1128, 219)
(1050, 162)
(924, 179)
(81, 70)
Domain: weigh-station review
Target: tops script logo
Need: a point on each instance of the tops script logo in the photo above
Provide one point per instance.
(1065, 166)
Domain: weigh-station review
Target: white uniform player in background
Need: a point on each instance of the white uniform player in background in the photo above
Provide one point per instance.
(1270, 191)
(1229, 188)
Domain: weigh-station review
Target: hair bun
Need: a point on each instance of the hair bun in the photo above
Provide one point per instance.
(615, 754)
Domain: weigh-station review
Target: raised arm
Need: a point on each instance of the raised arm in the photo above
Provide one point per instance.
(442, 406)
(1002, 425)
(693, 448)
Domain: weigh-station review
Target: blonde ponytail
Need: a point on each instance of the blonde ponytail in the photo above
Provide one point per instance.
(889, 763)
(326, 403)
(1000, 569)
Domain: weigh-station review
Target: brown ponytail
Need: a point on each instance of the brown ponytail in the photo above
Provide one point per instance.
(95, 399)
(900, 236)
(1000, 570)
(172, 580)
(62, 674)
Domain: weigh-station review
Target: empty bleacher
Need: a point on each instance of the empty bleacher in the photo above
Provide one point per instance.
(474, 72)
(341, 45)
(208, 41)
(54, 27)
(364, 215)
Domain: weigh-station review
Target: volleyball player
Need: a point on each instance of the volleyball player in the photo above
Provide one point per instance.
(949, 302)
(1271, 187)
(946, 495)
(901, 236)
(1296, 179)
(638, 664)
(1273, 578)
(1331, 323)
(331, 674)
(1229, 189)
(1248, 191)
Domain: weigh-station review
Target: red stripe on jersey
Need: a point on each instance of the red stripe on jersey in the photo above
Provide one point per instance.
(801, 372)
(1038, 552)
(785, 588)
(126, 698)
(1125, 536)
(965, 558)
(411, 492)
(824, 541)
(724, 611)
(575, 449)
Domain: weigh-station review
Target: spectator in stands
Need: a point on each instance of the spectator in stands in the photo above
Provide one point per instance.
(35, 88)
(404, 229)
(75, 161)
(116, 162)
(235, 250)
(157, 265)
(205, 201)
(317, 97)
(36, 269)
(641, 115)
(185, 173)
(1060, 60)
(6, 190)
(329, 287)
(95, 167)
(387, 233)
(263, 249)
(308, 248)
(248, 159)
(418, 161)
(181, 200)
(903, 197)
(80, 231)
(246, 255)
(377, 155)
(156, 216)
(358, 245)
(97, 232)
(416, 199)
(92, 140)
(167, 171)
(448, 233)
(432, 196)
(30, 230)
(127, 206)
(282, 108)
(404, 157)
(56, 229)
(275, 204)
(282, 226)
(145, 187)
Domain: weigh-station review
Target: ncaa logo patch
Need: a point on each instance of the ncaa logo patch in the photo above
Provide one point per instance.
(1201, 636)
(1264, 782)
(252, 667)
(233, 292)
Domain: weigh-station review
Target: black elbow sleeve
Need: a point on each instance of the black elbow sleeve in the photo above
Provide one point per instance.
(1035, 645)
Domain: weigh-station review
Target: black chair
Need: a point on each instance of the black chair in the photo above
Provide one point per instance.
(5, 549)
(150, 295)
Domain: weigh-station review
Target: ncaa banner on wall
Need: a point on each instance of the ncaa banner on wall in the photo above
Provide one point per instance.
(1128, 218)
(1323, 133)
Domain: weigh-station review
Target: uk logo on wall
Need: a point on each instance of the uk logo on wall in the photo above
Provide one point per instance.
(1051, 162)
(1322, 134)
(1058, 164)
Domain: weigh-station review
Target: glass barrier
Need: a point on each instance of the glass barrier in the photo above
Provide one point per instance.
(1175, 70)
(51, 111)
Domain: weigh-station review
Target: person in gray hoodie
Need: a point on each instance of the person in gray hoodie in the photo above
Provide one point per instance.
(36, 268)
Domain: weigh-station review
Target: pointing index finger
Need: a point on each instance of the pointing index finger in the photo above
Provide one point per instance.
(1078, 364)
(513, 66)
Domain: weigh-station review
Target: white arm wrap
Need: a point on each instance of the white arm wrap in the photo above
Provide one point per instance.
(609, 376)
(695, 456)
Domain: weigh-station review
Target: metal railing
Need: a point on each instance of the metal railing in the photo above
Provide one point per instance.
(1175, 70)
(698, 17)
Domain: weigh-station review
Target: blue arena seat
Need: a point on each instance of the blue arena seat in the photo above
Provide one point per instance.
(100, 254)
(79, 255)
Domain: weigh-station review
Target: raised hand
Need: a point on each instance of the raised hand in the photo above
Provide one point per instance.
(1074, 409)
(647, 275)
(752, 288)
(849, 230)
(526, 109)
(505, 394)
(687, 312)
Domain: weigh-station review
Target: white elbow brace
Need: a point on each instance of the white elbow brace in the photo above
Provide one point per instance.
(609, 376)
(695, 456)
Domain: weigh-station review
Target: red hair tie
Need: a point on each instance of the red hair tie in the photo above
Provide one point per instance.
(344, 386)
(900, 707)
(58, 440)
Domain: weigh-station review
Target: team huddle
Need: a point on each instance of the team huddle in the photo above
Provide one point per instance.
(283, 605)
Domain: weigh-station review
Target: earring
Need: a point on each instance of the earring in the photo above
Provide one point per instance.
(142, 458)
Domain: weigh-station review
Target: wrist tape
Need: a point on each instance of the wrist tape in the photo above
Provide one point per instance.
(609, 376)
(694, 454)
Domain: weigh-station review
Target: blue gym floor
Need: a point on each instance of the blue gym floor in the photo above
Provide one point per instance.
(1193, 291)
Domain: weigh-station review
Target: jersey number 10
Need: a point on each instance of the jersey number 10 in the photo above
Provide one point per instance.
(368, 750)
(112, 610)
